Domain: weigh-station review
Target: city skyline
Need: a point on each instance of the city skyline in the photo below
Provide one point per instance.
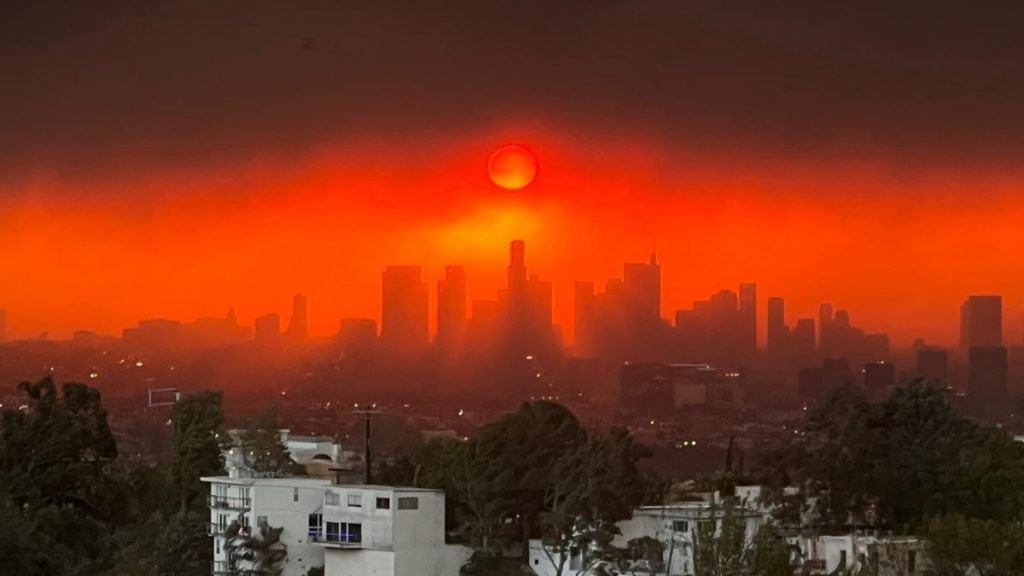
(439, 299)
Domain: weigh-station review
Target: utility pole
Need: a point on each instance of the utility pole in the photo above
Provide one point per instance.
(368, 477)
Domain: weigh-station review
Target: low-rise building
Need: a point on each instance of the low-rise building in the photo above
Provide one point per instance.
(386, 531)
(240, 507)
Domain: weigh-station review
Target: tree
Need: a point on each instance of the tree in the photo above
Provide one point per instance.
(198, 443)
(254, 556)
(894, 463)
(262, 449)
(56, 483)
(591, 488)
(183, 547)
(723, 546)
(961, 546)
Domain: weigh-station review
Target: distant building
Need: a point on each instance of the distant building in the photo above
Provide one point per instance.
(298, 326)
(404, 310)
(879, 376)
(268, 328)
(778, 332)
(987, 373)
(451, 307)
(932, 364)
(981, 321)
(357, 333)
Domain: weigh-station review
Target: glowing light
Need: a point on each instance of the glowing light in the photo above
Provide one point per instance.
(512, 167)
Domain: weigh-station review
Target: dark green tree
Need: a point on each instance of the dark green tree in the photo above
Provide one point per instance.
(961, 546)
(262, 449)
(198, 442)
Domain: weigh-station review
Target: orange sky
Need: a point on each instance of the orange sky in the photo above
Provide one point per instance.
(899, 250)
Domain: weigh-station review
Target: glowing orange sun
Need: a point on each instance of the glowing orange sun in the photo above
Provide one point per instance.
(512, 167)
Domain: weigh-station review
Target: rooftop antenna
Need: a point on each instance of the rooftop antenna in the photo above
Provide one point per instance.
(367, 414)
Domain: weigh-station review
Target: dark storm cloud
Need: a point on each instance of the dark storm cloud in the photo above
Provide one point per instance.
(124, 85)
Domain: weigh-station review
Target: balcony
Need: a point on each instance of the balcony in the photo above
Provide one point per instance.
(223, 502)
(340, 539)
(215, 529)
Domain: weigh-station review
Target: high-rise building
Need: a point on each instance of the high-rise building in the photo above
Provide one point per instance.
(987, 372)
(981, 321)
(748, 315)
(933, 365)
(451, 306)
(778, 332)
(642, 288)
(517, 267)
(298, 325)
(268, 328)
(405, 320)
(826, 329)
(802, 339)
(585, 304)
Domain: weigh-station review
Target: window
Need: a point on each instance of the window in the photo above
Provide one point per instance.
(314, 526)
(842, 559)
(333, 499)
(261, 521)
(409, 503)
(216, 545)
(911, 561)
(295, 494)
(383, 503)
(355, 500)
(347, 532)
(681, 526)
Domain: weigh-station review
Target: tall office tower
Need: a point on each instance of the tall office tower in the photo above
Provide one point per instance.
(268, 328)
(987, 372)
(642, 288)
(3, 325)
(298, 326)
(879, 376)
(451, 306)
(748, 314)
(826, 329)
(981, 320)
(933, 365)
(778, 332)
(585, 304)
(802, 338)
(517, 268)
(405, 315)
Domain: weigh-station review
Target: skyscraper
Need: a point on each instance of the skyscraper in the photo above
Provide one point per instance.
(298, 326)
(981, 319)
(642, 288)
(451, 306)
(987, 373)
(405, 321)
(748, 315)
(585, 302)
(778, 332)
(826, 332)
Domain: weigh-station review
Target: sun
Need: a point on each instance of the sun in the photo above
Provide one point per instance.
(512, 167)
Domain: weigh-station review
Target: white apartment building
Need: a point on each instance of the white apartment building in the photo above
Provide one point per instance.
(292, 504)
(675, 526)
(386, 531)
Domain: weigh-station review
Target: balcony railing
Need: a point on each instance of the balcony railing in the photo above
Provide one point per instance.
(221, 529)
(344, 539)
(230, 503)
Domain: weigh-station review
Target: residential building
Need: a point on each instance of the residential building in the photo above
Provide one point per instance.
(369, 530)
